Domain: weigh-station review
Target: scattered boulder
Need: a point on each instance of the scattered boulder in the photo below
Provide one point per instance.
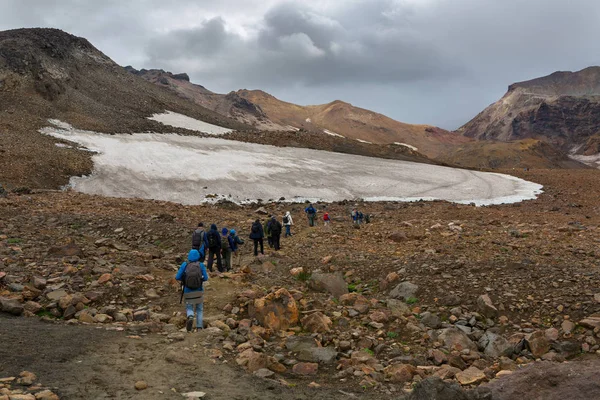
(323, 355)
(317, 323)
(252, 360)
(538, 344)
(11, 306)
(305, 368)
(455, 339)
(470, 376)
(486, 307)
(333, 283)
(276, 311)
(494, 345)
(71, 249)
(431, 320)
(141, 385)
(404, 291)
(400, 373)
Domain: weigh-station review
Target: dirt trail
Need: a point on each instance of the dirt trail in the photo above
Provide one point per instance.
(91, 363)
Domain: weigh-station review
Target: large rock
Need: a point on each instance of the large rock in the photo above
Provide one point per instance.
(333, 283)
(316, 323)
(56, 295)
(398, 308)
(470, 376)
(436, 388)
(455, 339)
(592, 322)
(538, 344)
(400, 373)
(494, 345)
(323, 355)
(486, 307)
(277, 311)
(404, 291)
(11, 306)
(305, 368)
(298, 343)
(252, 360)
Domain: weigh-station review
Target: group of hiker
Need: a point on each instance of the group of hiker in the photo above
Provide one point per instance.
(222, 245)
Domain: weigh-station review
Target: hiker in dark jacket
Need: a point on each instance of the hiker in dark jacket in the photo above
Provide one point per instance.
(267, 231)
(257, 234)
(199, 240)
(275, 232)
(235, 242)
(194, 297)
(226, 248)
(213, 239)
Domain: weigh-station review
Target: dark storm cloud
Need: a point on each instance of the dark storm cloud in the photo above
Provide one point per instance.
(428, 61)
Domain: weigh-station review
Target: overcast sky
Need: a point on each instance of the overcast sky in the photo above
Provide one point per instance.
(438, 62)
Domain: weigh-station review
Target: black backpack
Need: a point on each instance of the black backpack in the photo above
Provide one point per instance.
(193, 276)
(198, 239)
(275, 228)
(213, 240)
(255, 228)
(286, 219)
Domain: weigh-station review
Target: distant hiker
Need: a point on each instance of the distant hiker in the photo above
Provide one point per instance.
(288, 222)
(368, 218)
(360, 217)
(192, 274)
(213, 240)
(275, 229)
(326, 219)
(226, 248)
(199, 240)
(311, 213)
(235, 241)
(257, 234)
(354, 215)
(267, 231)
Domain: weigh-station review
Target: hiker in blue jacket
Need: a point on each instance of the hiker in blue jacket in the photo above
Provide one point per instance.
(311, 213)
(192, 274)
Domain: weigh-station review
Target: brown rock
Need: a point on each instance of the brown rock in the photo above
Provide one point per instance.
(252, 360)
(39, 283)
(46, 395)
(277, 311)
(141, 385)
(26, 378)
(104, 278)
(317, 323)
(305, 368)
(567, 326)
(400, 373)
(32, 307)
(538, 344)
(398, 237)
(455, 339)
(470, 376)
(68, 250)
(378, 316)
(590, 322)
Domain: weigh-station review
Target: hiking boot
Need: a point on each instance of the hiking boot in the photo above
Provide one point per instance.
(189, 324)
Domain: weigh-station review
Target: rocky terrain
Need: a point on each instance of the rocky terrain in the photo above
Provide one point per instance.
(562, 109)
(430, 297)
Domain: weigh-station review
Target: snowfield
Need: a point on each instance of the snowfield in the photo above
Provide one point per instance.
(182, 121)
(185, 169)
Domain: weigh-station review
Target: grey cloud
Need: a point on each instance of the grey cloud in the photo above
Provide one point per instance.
(425, 61)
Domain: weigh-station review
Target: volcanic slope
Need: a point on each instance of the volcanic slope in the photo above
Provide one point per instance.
(48, 73)
(562, 109)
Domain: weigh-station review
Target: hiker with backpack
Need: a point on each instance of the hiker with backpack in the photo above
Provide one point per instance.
(213, 240)
(257, 234)
(199, 240)
(275, 229)
(192, 274)
(360, 217)
(288, 222)
(311, 213)
(226, 248)
(354, 215)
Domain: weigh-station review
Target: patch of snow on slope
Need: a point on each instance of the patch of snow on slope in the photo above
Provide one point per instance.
(182, 121)
(161, 167)
(406, 145)
(593, 161)
(308, 120)
(363, 141)
(292, 128)
(332, 133)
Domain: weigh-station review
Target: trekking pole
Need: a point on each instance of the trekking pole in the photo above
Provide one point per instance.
(181, 299)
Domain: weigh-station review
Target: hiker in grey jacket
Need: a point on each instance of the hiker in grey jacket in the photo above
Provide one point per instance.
(288, 222)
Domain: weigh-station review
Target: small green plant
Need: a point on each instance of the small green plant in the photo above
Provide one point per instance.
(412, 300)
(303, 276)
(45, 313)
(352, 287)
(369, 351)
(14, 240)
(392, 335)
